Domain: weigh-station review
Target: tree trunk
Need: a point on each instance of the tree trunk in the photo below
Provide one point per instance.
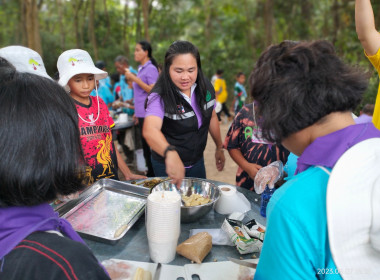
(250, 23)
(145, 10)
(125, 29)
(138, 21)
(77, 5)
(39, 4)
(91, 29)
(105, 39)
(335, 14)
(207, 53)
(208, 10)
(268, 21)
(306, 8)
(21, 24)
(84, 16)
(31, 25)
(61, 24)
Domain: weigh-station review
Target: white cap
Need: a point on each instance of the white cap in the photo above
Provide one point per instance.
(74, 62)
(25, 60)
(353, 211)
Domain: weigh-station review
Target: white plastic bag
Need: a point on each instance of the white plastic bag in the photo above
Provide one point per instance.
(140, 160)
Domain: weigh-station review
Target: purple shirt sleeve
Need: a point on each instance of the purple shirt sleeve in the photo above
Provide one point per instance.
(155, 106)
(151, 75)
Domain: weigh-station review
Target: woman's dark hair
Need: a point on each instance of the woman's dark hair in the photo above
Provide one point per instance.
(145, 45)
(297, 84)
(168, 90)
(40, 149)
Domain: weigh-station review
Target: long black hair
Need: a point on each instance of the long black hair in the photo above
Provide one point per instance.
(41, 154)
(146, 46)
(168, 90)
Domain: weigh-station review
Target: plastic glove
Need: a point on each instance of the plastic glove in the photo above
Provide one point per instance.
(117, 270)
(268, 175)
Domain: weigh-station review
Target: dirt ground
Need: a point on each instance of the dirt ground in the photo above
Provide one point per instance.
(228, 174)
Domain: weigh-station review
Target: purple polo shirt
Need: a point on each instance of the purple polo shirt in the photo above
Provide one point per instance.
(326, 150)
(156, 106)
(363, 119)
(148, 73)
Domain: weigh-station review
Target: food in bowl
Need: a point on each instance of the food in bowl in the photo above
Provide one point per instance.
(190, 186)
(195, 199)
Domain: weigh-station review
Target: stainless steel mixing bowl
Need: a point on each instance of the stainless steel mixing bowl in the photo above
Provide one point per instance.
(188, 187)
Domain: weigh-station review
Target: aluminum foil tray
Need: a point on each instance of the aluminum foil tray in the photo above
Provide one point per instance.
(106, 210)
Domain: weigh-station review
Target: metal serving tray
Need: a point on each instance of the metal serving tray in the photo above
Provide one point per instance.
(106, 210)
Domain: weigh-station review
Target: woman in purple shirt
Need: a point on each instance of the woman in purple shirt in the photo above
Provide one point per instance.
(180, 113)
(142, 85)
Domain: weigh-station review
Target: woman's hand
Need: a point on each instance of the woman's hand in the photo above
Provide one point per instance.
(219, 159)
(174, 168)
(268, 175)
(129, 75)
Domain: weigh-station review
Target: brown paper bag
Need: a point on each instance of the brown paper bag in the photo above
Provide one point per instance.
(196, 247)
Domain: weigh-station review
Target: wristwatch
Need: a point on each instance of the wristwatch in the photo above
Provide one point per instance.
(169, 148)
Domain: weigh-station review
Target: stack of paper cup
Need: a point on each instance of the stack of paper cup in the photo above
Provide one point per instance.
(163, 220)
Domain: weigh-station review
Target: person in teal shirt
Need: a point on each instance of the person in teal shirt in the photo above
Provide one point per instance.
(240, 95)
(105, 94)
(320, 92)
(103, 87)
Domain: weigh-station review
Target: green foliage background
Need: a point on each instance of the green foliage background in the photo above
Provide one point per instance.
(229, 34)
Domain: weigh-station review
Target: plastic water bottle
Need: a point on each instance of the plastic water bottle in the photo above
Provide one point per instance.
(265, 197)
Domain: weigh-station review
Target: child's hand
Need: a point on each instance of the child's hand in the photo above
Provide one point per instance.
(133, 176)
(253, 169)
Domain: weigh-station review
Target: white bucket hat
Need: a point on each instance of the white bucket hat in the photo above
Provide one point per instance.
(76, 61)
(353, 211)
(25, 60)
